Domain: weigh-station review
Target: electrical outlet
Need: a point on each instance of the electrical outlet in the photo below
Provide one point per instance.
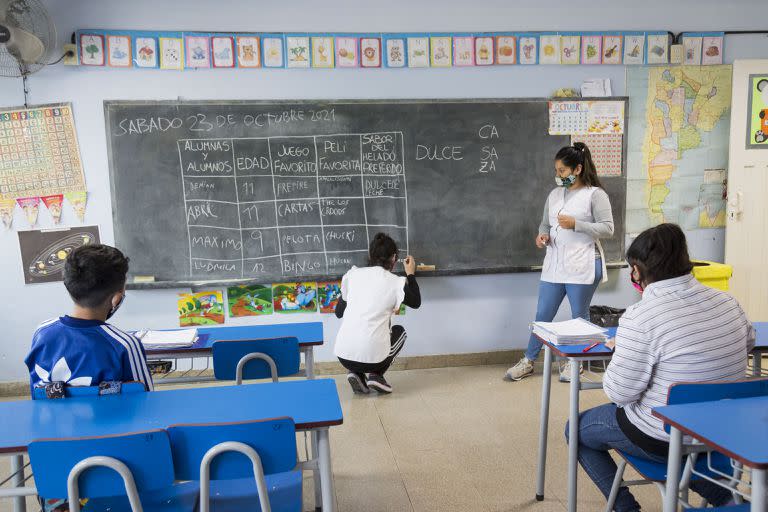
(70, 58)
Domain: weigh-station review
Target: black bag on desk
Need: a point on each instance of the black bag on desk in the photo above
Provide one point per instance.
(605, 316)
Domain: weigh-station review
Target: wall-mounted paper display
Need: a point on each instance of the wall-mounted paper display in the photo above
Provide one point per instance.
(322, 52)
(712, 49)
(91, 49)
(248, 52)
(418, 52)
(145, 52)
(197, 51)
(657, 48)
(506, 50)
(612, 49)
(570, 49)
(692, 50)
(119, 51)
(346, 52)
(223, 51)
(395, 52)
(463, 51)
(370, 52)
(484, 51)
(634, 48)
(297, 50)
(441, 51)
(171, 53)
(591, 49)
(549, 49)
(529, 49)
(273, 53)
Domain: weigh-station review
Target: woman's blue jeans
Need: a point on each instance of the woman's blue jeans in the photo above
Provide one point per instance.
(551, 295)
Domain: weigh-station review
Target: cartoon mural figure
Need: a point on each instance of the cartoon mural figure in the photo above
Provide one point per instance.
(332, 293)
(304, 295)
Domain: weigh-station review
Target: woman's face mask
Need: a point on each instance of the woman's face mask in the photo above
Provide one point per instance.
(565, 182)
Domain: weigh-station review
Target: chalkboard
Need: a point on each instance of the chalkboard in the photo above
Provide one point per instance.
(207, 192)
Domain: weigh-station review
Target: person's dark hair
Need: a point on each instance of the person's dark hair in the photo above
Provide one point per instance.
(94, 272)
(579, 154)
(380, 251)
(660, 253)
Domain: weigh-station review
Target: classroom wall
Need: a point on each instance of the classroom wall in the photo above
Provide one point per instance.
(459, 314)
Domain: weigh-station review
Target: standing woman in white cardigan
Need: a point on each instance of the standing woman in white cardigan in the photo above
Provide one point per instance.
(576, 216)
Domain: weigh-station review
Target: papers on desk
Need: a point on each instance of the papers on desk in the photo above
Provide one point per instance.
(177, 338)
(571, 332)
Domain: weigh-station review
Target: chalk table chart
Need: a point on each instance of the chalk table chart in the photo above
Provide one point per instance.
(290, 205)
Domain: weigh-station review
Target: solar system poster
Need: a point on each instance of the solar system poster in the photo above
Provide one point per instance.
(43, 251)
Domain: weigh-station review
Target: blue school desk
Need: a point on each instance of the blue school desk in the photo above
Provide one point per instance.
(575, 353)
(309, 334)
(737, 428)
(313, 404)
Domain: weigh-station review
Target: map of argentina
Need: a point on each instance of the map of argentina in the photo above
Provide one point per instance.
(678, 146)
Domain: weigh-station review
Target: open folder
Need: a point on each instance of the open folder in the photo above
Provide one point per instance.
(571, 332)
(177, 338)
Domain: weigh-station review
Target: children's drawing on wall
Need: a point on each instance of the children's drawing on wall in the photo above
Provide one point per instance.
(78, 201)
(31, 207)
(119, 48)
(346, 52)
(757, 112)
(146, 52)
(197, 52)
(203, 308)
(329, 293)
(248, 52)
(484, 51)
(370, 52)
(251, 300)
(273, 52)
(294, 297)
(170, 53)
(91, 50)
(418, 52)
(7, 207)
(298, 51)
(223, 52)
(322, 52)
(43, 252)
(53, 203)
(395, 53)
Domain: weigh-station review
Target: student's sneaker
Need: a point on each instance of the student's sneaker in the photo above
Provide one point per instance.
(565, 370)
(523, 369)
(357, 381)
(379, 383)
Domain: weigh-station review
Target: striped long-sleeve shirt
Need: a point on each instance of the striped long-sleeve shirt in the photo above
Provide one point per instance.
(681, 331)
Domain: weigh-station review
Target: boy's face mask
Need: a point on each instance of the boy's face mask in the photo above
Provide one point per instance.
(116, 306)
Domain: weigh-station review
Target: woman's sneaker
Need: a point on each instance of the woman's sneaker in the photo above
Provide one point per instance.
(521, 370)
(357, 381)
(378, 383)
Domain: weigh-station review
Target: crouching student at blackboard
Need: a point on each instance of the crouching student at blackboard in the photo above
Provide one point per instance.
(82, 349)
(367, 342)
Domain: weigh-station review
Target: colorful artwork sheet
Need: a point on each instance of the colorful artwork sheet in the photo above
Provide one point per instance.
(145, 52)
(197, 51)
(634, 48)
(223, 51)
(506, 50)
(395, 52)
(297, 49)
(370, 52)
(757, 112)
(329, 293)
(299, 297)
(322, 52)
(92, 50)
(203, 308)
(529, 49)
(612, 49)
(43, 252)
(549, 50)
(418, 52)
(251, 300)
(248, 52)
(485, 51)
(346, 52)
(119, 51)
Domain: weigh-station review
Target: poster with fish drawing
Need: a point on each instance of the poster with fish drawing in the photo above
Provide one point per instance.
(549, 49)
(463, 51)
(223, 50)
(119, 51)
(297, 50)
(294, 297)
(272, 47)
(591, 49)
(346, 52)
(657, 48)
(171, 53)
(145, 52)
(370, 52)
(612, 49)
(570, 49)
(91, 50)
(712, 50)
(322, 52)
(529, 49)
(418, 52)
(506, 49)
(248, 52)
(484, 51)
(634, 49)
(395, 52)
(197, 51)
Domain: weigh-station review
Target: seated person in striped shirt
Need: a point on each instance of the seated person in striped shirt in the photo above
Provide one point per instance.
(367, 342)
(81, 349)
(680, 331)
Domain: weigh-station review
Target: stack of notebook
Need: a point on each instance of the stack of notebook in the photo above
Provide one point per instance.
(571, 332)
(177, 338)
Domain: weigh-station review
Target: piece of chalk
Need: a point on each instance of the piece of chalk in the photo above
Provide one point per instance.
(425, 267)
(143, 279)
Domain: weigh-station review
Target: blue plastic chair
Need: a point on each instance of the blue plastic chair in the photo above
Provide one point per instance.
(81, 391)
(256, 359)
(687, 393)
(123, 472)
(240, 466)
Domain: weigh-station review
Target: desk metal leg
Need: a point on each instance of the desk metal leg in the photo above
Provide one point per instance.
(326, 475)
(759, 490)
(757, 362)
(673, 470)
(309, 362)
(573, 436)
(17, 467)
(546, 385)
(316, 473)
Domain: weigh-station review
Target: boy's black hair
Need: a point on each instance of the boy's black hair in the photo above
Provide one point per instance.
(660, 253)
(94, 272)
(579, 154)
(380, 251)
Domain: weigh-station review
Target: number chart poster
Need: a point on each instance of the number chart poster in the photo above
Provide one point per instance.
(757, 112)
(43, 252)
(39, 154)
